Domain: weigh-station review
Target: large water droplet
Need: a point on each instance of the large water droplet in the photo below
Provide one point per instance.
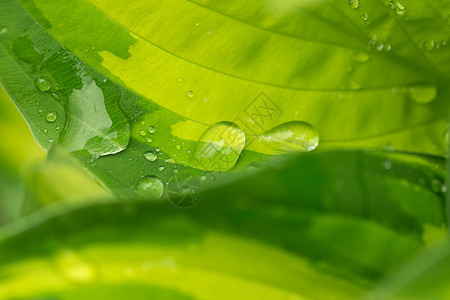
(353, 3)
(150, 156)
(43, 84)
(51, 116)
(151, 187)
(423, 94)
(295, 136)
(89, 125)
(219, 147)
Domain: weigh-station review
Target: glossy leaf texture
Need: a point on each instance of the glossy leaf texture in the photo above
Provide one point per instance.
(272, 235)
(113, 80)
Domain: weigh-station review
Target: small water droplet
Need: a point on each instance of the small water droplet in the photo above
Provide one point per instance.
(376, 45)
(387, 164)
(436, 185)
(149, 140)
(150, 156)
(294, 136)
(151, 187)
(423, 94)
(38, 103)
(175, 171)
(43, 84)
(354, 85)
(365, 18)
(45, 131)
(428, 45)
(142, 133)
(353, 3)
(151, 129)
(161, 168)
(157, 149)
(203, 177)
(51, 116)
(50, 140)
(178, 147)
(190, 94)
(142, 123)
(56, 96)
(396, 8)
(361, 57)
(253, 166)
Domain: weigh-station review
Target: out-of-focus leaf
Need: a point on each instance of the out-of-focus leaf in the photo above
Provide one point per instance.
(103, 76)
(321, 226)
(424, 277)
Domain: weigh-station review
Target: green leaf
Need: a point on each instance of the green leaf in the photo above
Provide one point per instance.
(423, 277)
(290, 231)
(133, 77)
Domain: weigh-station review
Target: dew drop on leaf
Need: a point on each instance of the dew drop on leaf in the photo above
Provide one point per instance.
(396, 8)
(353, 3)
(436, 185)
(295, 136)
(56, 96)
(151, 187)
(423, 94)
(150, 156)
(219, 147)
(387, 164)
(142, 133)
(361, 57)
(151, 129)
(51, 116)
(43, 84)
(190, 94)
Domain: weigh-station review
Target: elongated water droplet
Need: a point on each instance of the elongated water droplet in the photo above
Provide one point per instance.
(353, 3)
(295, 136)
(423, 94)
(56, 96)
(151, 187)
(150, 156)
(43, 84)
(219, 147)
(51, 116)
(428, 45)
